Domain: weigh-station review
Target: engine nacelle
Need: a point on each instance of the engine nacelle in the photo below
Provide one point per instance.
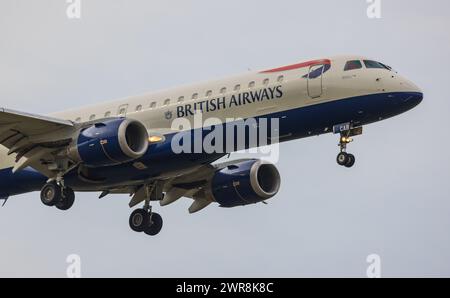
(110, 142)
(245, 183)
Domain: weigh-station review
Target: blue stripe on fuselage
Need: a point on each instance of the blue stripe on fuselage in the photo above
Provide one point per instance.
(23, 181)
(294, 124)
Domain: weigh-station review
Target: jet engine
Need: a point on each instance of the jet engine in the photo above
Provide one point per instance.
(244, 183)
(110, 142)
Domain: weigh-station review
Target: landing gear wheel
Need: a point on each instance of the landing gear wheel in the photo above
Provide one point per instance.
(347, 131)
(139, 220)
(67, 200)
(155, 225)
(351, 161)
(51, 194)
(342, 159)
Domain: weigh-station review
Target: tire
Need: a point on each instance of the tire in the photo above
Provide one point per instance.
(139, 220)
(67, 201)
(155, 227)
(342, 159)
(51, 194)
(351, 161)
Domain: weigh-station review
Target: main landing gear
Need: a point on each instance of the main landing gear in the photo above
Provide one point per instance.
(346, 159)
(144, 220)
(55, 194)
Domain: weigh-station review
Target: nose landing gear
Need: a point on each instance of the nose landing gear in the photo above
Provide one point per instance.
(345, 159)
(346, 133)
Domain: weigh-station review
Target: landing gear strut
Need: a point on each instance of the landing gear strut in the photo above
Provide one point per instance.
(346, 159)
(55, 194)
(144, 220)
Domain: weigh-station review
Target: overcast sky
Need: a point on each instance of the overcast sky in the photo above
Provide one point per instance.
(326, 219)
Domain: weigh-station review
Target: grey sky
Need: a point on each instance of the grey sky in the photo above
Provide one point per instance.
(325, 221)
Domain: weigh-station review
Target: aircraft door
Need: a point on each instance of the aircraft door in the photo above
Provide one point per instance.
(315, 81)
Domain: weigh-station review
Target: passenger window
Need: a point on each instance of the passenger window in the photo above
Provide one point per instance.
(208, 93)
(181, 99)
(195, 96)
(351, 65)
(78, 120)
(266, 82)
(223, 90)
(122, 110)
(153, 105)
(280, 79)
(92, 117)
(167, 102)
(237, 88)
(138, 108)
(107, 114)
(251, 85)
(374, 64)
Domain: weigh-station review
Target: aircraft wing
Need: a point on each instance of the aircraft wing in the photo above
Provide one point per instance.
(192, 185)
(33, 138)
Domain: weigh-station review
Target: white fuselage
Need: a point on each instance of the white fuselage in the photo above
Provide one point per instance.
(157, 110)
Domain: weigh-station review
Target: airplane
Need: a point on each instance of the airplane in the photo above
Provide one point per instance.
(126, 146)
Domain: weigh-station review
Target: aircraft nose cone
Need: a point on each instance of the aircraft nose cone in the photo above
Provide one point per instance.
(414, 94)
(416, 98)
(411, 100)
(419, 97)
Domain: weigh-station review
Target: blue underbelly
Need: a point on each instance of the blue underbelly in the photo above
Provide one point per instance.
(23, 181)
(293, 124)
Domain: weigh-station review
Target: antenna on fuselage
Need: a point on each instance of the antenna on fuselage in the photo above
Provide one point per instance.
(4, 201)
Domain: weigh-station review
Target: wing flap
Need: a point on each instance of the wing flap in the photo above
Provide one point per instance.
(26, 135)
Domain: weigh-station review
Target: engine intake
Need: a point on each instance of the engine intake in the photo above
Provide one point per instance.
(244, 183)
(110, 142)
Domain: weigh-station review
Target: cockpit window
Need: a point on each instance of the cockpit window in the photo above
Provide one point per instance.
(354, 64)
(386, 66)
(375, 64)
